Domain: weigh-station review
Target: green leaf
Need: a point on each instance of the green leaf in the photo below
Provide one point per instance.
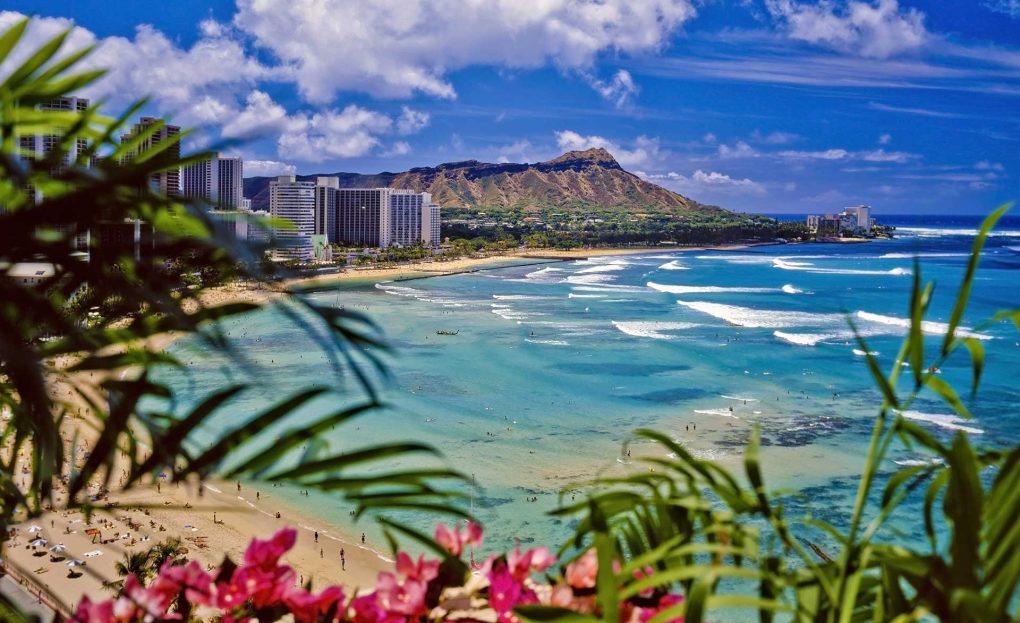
(963, 506)
(963, 294)
(977, 358)
(947, 393)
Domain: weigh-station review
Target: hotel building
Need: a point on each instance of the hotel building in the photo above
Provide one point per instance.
(168, 182)
(218, 181)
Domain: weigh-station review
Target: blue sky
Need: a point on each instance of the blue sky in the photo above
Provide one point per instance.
(755, 105)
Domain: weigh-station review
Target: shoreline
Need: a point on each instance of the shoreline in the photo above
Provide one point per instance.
(148, 513)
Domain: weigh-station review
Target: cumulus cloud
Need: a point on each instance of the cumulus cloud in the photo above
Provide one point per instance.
(740, 149)
(519, 151)
(878, 29)
(705, 183)
(884, 139)
(400, 148)
(267, 168)
(411, 121)
(318, 136)
(620, 90)
(197, 84)
(393, 48)
(645, 150)
(260, 116)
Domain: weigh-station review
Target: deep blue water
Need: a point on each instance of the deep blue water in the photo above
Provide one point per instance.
(554, 365)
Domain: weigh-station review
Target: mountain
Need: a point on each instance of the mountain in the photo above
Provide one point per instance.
(575, 181)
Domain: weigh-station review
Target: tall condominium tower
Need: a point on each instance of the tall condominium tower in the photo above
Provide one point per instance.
(326, 189)
(41, 146)
(295, 201)
(168, 182)
(363, 217)
(218, 180)
(430, 225)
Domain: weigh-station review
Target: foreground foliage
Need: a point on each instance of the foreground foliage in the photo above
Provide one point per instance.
(77, 352)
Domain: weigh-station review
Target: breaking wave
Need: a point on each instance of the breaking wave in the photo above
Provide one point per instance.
(652, 329)
(706, 289)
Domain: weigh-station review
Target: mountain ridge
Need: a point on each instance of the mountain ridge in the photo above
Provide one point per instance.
(574, 181)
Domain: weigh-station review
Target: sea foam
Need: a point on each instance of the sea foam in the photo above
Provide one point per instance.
(928, 326)
(707, 289)
(652, 329)
(674, 265)
(949, 421)
(786, 264)
(762, 318)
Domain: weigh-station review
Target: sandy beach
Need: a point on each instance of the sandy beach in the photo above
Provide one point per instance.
(151, 512)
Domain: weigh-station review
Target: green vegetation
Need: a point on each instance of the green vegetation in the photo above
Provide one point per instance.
(46, 200)
(566, 229)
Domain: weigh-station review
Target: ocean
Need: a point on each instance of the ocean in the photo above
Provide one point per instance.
(553, 365)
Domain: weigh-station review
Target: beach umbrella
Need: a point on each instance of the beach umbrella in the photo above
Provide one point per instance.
(75, 563)
(59, 547)
(38, 543)
(34, 529)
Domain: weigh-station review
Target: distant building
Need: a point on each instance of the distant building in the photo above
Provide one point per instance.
(218, 181)
(245, 204)
(363, 217)
(41, 146)
(325, 204)
(854, 220)
(294, 201)
(430, 225)
(383, 217)
(167, 182)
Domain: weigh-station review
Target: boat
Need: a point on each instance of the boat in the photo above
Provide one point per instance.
(448, 332)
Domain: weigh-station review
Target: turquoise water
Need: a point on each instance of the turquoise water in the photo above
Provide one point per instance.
(553, 366)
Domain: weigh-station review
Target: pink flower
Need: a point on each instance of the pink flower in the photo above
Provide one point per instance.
(190, 578)
(643, 615)
(581, 573)
(423, 570)
(331, 597)
(89, 612)
(302, 604)
(454, 540)
(405, 598)
(266, 554)
(534, 560)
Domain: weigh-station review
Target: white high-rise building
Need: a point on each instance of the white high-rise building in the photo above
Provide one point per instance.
(381, 217)
(218, 181)
(295, 201)
(430, 225)
(167, 182)
(862, 214)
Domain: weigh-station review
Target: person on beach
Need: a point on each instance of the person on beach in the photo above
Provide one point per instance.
(316, 536)
(343, 561)
(362, 538)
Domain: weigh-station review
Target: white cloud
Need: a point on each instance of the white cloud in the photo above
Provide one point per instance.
(411, 121)
(827, 154)
(740, 149)
(881, 155)
(985, 165)
(261, 116)
(314, 137)
(710, 139)
(400, 148)
(267, 168)
(871, 29)
(706, 183)
(645, 149)
(519, 151)
(393, 48)
(196, 85)
(884, 139)
(620, 90)
(775, 138)
(874, 155)
(1009, 7)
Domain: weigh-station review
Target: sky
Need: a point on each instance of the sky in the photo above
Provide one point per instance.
(764, 106)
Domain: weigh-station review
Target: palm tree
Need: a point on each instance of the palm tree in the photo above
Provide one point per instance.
(137, 563)
(169, 550)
